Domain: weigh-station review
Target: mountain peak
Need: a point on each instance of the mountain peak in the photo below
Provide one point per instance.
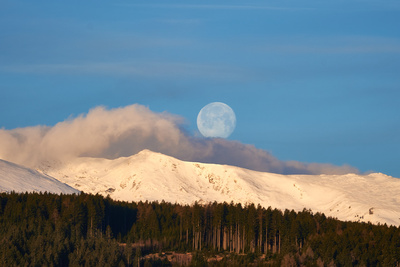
(149, 154)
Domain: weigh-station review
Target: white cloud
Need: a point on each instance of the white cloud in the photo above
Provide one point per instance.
(125, 131)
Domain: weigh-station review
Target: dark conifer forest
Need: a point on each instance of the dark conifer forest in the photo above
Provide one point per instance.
(90, 230)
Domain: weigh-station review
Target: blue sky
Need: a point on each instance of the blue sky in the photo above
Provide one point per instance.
(311, 81)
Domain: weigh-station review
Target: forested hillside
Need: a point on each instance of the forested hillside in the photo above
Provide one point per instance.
(75, 230)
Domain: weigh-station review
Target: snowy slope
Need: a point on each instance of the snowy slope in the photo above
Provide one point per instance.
(153, 176)
(20, 179)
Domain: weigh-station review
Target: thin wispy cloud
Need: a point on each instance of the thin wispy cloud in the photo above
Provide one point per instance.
(211, 6)
(331, 45)
(181, 21)
(142, 69)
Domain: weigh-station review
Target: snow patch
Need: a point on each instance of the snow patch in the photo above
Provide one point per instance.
(17, 178)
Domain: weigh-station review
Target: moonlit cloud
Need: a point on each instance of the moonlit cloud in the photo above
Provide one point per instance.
(125, 131)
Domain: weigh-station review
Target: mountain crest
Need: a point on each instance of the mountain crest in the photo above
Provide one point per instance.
(155, 177)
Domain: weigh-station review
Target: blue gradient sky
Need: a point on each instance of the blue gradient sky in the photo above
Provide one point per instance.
(312, 81)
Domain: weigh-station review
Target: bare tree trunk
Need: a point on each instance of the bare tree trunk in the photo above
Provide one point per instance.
(260, 234)
(230, 240)
(200, 238)
(180, 231)
(196, 241)
(224, 239)
(266, 239)
(219, 238)
(239, 239)
(91, 226)
(274, 245)
(243, 239)
(279, 242)
(236, 238)
(214, 238)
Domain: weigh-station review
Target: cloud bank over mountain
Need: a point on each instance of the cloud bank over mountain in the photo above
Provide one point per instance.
(112, 133)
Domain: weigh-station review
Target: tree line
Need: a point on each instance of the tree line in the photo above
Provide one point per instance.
(41, 229)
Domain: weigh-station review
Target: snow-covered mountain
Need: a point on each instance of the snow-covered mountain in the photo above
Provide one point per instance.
(153, 176)
(16, 178)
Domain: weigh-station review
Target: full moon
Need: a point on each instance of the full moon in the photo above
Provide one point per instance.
(216, 120)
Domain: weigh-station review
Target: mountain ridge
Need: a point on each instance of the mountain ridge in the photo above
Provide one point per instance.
(153, 176)
(14, 177)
